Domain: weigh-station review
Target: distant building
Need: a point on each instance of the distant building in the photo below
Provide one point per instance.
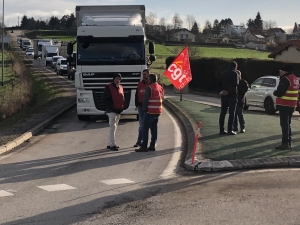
(289, 52)
(234, 30)
(278, 34)
(257, 45)
(183, 35)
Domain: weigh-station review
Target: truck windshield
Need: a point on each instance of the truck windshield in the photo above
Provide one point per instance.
(111, 51)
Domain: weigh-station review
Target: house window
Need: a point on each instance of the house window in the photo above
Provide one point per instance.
(181, 36)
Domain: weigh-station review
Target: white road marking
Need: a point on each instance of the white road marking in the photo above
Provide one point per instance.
(5, 194)
(57, 187)
(172, 167)
(117, 181)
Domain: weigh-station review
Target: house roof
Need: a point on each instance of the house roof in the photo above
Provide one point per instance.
(295, 43)
(182, 29)
(255, 31)
(259, 36)
(274, 30)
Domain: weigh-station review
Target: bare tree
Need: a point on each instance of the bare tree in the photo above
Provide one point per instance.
(269, 24)
(177, 21)
(151, 19)
(190, 20)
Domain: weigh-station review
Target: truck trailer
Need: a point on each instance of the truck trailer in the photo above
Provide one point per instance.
(48, 51)
(110, 39)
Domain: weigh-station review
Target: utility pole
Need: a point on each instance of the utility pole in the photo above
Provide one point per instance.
(3, 45)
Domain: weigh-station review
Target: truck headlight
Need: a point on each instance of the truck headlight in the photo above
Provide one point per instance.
(83, 100)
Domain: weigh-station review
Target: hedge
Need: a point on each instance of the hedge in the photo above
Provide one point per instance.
(206, 71)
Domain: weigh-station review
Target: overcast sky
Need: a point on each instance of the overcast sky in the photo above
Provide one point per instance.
(285, 13)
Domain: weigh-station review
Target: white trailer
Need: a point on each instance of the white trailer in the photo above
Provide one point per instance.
(48, 51)
(110, 39)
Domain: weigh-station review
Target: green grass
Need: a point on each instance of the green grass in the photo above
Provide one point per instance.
(8, 73)
(263, 133)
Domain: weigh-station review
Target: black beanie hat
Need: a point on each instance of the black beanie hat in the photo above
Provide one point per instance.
(117, 75)
(287, 68)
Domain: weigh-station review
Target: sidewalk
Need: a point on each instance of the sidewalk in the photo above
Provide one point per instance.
(253, 149)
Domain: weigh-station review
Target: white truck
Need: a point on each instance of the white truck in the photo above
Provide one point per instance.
(110, 39)
(37, 46)
(48, 51)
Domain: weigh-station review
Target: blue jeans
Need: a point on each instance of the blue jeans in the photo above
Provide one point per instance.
(150, 122)
(239, 116)
(227, 102)
(141, 119)
(285, 123)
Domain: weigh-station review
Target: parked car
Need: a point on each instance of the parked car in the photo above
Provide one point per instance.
(54, 60)
(260, 94)
(61, 66)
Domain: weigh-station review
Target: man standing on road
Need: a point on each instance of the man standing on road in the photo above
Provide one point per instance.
(113, 97)
(227, 85)
(139, 104)
(152, 106)
(239, 117)
(286, 102)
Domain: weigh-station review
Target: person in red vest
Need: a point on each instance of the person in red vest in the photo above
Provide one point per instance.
(152, 106)
(113, 97)
(139, 94)
(286, 102)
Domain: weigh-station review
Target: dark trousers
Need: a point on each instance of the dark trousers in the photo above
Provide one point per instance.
(227, 102)
(285, 123)
(150, 122)
(239, 117)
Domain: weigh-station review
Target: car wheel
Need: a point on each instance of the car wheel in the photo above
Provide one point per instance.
(83, 117)
(269, 106)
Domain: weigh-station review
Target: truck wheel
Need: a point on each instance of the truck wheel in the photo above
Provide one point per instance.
(83, 117)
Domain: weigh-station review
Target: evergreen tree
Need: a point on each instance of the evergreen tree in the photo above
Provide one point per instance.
(207, 28)
(195, 28)
(258, 22)
(296, 28)
(216, 28)
(250, 23)
(24, 22)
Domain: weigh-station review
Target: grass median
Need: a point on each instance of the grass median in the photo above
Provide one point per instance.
(263, 133)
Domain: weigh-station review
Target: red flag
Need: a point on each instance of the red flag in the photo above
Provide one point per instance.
(179, 72)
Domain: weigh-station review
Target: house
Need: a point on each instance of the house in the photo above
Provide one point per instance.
(279, 34)
(257, 45)
(253, 34)
(183, 35)
(234, 30)
(289, 52)
(290, 37)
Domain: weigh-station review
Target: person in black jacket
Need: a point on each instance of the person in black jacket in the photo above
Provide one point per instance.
(227, 85)
(286, 102)
(239, 117)
(113, 97)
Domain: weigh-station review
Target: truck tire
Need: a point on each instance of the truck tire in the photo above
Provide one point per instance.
(83, 117)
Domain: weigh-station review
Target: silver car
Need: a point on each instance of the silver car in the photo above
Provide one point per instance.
(260, 94)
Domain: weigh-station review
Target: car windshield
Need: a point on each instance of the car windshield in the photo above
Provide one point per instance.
(110, 51)
(63, 62)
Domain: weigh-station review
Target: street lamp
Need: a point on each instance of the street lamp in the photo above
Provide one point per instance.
(3, 44)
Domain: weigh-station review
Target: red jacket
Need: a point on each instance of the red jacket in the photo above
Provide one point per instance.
(291, 95)
(155, 101)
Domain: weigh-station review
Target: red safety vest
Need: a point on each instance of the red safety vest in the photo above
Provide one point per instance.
(291, 95)
(117, 96)
(155, 101)
(141, 90)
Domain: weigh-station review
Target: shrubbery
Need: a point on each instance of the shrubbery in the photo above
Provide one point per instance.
(206, 71)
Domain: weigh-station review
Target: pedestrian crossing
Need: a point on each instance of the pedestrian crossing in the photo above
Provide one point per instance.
(66, 187)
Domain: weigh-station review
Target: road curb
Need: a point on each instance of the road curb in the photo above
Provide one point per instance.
(24, 137)
(207, 165)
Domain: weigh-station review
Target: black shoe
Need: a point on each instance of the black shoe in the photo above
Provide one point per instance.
(114, 148)
(141, 150)
(231, 133)
(137, 145)
(151, 149)
(108, 147)
(283, 147)
(223, 132)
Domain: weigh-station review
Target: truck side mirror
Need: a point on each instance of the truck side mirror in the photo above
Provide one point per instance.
(151, 48)
(152, 58)
(69, 48)
(69, 59)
